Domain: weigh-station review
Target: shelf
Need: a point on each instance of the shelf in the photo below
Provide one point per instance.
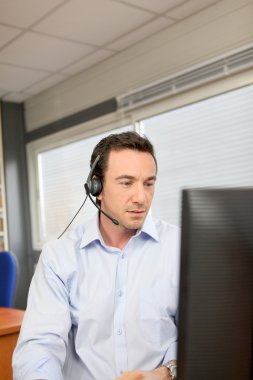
(3, 216)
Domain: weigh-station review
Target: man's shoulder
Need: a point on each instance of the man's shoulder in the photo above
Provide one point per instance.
(70, 237)
(64, 247)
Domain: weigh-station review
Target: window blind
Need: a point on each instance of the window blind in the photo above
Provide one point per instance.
(62, 172)
(205, 144)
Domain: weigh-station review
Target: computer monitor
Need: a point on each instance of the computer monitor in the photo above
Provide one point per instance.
(215, 327)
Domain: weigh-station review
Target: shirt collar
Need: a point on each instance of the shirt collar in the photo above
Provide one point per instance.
(92, 232)
(149, 228)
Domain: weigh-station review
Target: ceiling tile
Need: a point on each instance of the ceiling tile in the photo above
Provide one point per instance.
(16, 78)
(89, 61)
(46, 83)
(26, 12)
(189, 8)
(7, 34)
(93, 21)
(141, 33)
(157, 6)
(34, 50)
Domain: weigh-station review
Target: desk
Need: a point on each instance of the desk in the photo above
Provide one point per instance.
(10, 322)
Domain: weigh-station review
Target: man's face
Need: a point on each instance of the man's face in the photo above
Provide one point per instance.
(128, 187)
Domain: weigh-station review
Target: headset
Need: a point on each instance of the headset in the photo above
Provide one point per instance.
(93, 186)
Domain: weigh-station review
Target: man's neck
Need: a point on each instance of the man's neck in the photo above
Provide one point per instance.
(114, 236)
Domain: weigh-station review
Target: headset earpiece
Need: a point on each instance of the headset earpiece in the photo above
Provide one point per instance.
(93, 186)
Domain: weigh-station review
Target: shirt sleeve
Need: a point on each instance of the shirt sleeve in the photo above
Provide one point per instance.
(41, 347)
(171, 353)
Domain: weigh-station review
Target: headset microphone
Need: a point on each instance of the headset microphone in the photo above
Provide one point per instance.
(99, 208)
(93, 186)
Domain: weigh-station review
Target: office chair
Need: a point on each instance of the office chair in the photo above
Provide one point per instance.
(8, 278)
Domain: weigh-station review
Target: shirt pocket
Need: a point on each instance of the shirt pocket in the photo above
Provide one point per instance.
(157, 309)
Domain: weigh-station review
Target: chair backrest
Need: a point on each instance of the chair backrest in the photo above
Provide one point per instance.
(8, 278)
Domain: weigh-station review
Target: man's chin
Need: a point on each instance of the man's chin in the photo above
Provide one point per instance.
(134, 225)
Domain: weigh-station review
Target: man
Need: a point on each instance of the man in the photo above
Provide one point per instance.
(102, 304)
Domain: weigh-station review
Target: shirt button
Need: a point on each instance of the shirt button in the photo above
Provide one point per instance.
(120, 293)
(119, 331)
(123, 256)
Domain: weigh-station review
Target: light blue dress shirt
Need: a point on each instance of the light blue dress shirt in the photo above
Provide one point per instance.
(96, 311)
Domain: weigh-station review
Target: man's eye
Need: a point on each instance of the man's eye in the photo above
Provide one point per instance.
(149, 184)
(126, 183)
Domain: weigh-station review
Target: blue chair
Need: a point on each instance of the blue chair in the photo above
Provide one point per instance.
(8, 278)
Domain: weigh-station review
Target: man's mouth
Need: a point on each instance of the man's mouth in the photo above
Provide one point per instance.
(136, 211)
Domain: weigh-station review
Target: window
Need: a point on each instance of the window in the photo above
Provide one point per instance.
(61, 172)
(208, 143)
(204, 144)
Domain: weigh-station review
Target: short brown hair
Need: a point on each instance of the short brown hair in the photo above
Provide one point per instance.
(118, 142)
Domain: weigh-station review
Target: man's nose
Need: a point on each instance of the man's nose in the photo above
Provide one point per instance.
(138, 194)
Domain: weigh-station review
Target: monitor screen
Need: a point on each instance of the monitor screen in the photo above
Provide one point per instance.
(215, 326)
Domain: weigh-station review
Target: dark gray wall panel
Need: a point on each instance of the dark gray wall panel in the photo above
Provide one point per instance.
(17, 195)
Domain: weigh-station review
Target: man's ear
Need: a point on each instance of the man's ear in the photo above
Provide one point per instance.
(99, 197)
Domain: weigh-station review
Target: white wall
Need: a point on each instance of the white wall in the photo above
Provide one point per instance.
(222, 28)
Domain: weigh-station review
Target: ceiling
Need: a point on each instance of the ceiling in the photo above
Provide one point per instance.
(45, 42)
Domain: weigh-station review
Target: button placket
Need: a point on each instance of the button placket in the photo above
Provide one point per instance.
(119, 314)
